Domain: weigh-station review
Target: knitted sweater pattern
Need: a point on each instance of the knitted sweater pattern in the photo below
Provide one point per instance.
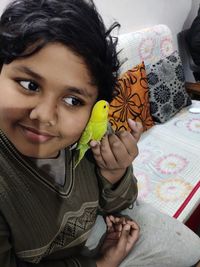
(42, 222)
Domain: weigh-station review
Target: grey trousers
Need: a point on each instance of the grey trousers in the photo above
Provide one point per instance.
(163, 241)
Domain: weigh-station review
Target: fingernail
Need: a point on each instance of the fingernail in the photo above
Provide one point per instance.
(127, 227)
(132, 122)
(93, 143)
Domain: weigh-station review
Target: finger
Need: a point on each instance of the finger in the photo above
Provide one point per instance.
(119, 151)
(107, 153)
(129, 142)
(108, 221)
(133, 225)
(118, 228)
(116, 223)
(136, 129)
(124, 220)
(95, 147)
(133, 237)
(117, 220)
(121, 220)
(109, 224)
(114, 219)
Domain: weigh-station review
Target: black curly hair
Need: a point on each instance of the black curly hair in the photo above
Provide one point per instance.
(27, 26)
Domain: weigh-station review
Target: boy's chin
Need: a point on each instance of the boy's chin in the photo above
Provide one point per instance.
(39, 154)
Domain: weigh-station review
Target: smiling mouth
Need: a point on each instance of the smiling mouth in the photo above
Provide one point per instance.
(36, 136)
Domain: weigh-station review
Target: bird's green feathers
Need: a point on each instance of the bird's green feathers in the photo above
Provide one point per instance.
(95, 128)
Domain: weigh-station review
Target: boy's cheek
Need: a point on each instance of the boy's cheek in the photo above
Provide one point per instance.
(11, 113)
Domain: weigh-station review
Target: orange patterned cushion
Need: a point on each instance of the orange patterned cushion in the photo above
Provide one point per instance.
(131, 100)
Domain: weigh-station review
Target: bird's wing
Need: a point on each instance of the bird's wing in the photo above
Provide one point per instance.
(86, 136)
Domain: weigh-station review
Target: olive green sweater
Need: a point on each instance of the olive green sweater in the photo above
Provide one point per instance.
(45, 224)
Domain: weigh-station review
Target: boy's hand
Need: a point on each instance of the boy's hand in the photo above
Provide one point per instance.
(122, 234)
(117, 151)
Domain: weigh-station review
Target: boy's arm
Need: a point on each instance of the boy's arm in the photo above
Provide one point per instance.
(121, 235)
(114, 198)
(8, 258)
(114, 157)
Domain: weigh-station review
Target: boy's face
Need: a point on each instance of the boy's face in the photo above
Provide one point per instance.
(45, 101)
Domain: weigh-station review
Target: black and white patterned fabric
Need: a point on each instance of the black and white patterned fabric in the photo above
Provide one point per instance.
(167, 94)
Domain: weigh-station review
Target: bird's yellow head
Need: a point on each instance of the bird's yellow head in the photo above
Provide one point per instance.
(100, 111)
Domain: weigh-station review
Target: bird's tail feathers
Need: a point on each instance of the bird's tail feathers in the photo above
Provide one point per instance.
(82, 149)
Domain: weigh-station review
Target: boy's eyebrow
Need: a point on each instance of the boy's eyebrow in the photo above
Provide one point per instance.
(29, 72)
(80, 91)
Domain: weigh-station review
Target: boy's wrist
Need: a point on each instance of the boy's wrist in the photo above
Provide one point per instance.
(113, 176)
(102, 263)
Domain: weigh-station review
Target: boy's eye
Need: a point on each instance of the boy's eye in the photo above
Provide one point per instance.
(29, 85)
(72, 101)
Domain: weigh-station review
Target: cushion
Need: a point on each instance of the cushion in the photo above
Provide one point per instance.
(167, 94)
(131, 100)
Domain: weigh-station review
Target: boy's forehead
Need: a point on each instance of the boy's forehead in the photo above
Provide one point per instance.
(57, 64)
(55, 58)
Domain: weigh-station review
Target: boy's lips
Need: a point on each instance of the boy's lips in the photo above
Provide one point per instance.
(35, 135)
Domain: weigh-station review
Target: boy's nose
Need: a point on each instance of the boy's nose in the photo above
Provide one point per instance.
(45, 112)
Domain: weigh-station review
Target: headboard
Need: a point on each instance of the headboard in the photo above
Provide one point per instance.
(148, 45)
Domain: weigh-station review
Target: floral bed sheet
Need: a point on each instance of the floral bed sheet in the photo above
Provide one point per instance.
(168, 165)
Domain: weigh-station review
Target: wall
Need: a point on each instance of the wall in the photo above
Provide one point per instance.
(134, 15)
(3, 3)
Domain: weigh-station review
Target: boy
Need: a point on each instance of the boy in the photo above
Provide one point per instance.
(57, 59)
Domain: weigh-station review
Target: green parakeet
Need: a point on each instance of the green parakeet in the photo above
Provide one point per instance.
(95, 128)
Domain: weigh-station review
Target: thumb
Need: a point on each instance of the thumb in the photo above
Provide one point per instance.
(136, 128)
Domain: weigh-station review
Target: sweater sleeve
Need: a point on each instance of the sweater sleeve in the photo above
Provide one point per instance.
(72, 262)
(8, 258)
(118, 197)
